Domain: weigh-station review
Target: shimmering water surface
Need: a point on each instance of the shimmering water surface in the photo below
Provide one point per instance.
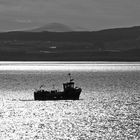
(109, 105)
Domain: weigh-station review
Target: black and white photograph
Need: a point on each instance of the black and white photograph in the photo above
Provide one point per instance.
(69, 69)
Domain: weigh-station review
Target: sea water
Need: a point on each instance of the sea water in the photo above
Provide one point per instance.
(109, 105)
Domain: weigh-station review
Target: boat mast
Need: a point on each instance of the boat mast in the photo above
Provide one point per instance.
(70, 77)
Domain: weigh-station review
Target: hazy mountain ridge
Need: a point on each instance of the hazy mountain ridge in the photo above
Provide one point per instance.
(82, 36)
(53, 27)
(122, 44)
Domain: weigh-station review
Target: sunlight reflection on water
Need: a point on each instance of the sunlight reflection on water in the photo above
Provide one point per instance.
(76, 66)
(107, 109)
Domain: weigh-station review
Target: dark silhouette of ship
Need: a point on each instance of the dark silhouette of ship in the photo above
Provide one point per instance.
(69, 92)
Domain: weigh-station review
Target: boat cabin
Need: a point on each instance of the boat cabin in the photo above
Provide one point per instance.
(68, 85)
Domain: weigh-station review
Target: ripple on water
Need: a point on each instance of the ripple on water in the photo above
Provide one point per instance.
(109, 107)
(83, 119)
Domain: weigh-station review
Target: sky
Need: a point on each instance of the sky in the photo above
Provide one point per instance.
(85, 14)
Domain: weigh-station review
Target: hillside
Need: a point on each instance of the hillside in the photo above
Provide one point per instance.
(122, 44)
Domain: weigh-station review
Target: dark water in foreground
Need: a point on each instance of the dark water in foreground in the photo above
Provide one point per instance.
(109, 105)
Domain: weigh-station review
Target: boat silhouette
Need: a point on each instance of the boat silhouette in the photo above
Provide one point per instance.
(70, 92)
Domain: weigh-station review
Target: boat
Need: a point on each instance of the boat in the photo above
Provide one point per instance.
(70, 92)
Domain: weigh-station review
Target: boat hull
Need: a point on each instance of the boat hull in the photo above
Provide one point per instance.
(72, 94)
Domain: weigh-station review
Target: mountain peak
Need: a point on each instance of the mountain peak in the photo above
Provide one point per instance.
(54, 27)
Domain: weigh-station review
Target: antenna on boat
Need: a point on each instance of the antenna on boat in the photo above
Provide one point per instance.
(53, 86)
(70, 77)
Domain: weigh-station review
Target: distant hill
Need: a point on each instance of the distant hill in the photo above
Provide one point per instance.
(53, 27)
(120, 44)
(110, 35)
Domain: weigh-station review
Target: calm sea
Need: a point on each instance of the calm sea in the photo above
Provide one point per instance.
(109, 105)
